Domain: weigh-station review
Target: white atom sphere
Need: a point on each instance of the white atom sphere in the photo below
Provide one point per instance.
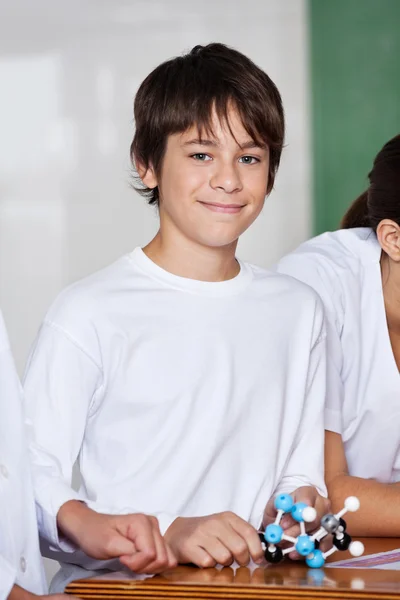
(352, 503)
(356, 548)
(309, 514)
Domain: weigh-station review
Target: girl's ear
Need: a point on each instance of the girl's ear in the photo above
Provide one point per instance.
(388, 234)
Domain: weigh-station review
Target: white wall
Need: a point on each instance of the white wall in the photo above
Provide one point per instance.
(68, 73)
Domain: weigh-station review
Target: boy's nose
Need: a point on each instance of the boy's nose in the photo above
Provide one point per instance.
(226, 178)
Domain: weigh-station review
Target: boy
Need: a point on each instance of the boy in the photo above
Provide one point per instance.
(21, 570)
(180, 377)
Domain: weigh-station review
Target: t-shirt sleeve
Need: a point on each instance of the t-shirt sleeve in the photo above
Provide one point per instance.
(60, 384)
(63, 387)
(320, 275)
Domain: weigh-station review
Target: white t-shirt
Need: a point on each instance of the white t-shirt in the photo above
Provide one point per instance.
(178, 397)
(20, 561)
(344, 268)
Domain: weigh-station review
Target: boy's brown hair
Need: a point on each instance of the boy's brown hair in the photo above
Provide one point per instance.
(185, 90)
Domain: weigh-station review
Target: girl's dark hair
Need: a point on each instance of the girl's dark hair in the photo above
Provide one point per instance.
(185, 90)
(382, 199)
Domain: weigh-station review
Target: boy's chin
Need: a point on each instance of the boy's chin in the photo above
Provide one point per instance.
(218, 241)
(221, 236)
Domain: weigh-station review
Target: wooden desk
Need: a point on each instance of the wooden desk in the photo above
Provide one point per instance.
(285, 581)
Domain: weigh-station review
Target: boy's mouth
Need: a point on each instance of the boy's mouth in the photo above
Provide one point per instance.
(222, 207)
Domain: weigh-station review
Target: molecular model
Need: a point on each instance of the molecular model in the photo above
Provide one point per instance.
(308, 545)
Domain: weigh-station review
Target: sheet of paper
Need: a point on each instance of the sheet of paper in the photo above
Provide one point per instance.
(383, 560)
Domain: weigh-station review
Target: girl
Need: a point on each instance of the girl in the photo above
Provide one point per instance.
(356, 272)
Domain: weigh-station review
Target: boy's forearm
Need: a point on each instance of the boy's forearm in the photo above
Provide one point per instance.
(71, 518)
(74, 516)
(379, 513)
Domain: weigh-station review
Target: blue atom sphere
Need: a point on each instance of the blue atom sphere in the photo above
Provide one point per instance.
(284, 502)
(297, 511)
(315, 560)
(273, 534)
(304, 545)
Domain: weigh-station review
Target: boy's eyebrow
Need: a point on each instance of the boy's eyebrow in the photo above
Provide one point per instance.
(200, 142)
(208, 142)
(253, 144)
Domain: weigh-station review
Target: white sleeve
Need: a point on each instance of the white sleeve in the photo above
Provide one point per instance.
(8, 576)
(326, 283)
(306, 463)
(60, 384)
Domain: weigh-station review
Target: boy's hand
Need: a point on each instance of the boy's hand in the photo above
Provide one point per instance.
(309, 496)
(215, 539)
(134, 539)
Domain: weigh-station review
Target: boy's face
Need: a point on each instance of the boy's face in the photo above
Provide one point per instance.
(211, 190)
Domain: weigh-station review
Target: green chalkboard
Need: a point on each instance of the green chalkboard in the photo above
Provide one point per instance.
(355, 73)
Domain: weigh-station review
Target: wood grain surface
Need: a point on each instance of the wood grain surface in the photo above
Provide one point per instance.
(284, 581)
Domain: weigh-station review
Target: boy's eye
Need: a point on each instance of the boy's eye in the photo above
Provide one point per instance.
(249, 160)
(201, 156)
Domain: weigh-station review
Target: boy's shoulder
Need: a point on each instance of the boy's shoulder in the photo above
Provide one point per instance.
(85, 297)
(270, 282)
(295, 304)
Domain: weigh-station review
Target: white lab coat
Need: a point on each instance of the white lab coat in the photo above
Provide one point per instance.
(20, 561)
(364, 381)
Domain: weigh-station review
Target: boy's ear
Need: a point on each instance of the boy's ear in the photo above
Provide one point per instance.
(388, 234)
(147, 175)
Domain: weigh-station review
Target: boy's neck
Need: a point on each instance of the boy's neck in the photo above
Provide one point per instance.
(188, 259)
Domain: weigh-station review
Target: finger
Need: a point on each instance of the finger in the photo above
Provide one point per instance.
(239, 549)
(295, 555)
(137, 562)
(326, 543)
(117, 545)
(219, 549)
(287, 522)
(293, 530)
(285, 544)
(249, 544)
(172, 560)
(200, 557)
(160, 563)
(323, 506)
(269, 513)
(141, 533)
(306, 494)
(310, 496)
